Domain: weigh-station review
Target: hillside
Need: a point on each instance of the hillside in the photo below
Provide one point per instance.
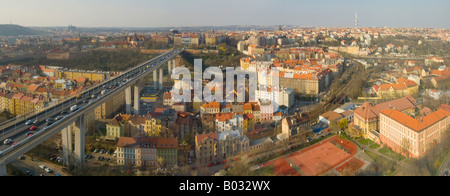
(16, 30)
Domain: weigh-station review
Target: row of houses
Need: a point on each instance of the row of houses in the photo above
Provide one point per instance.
(223, 117)
(147, 151)
(20, 103)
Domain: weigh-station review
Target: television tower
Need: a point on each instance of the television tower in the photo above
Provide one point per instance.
(356, 19)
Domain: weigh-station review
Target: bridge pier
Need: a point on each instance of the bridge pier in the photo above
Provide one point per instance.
(136, 100)
(174, 64)
(3, 169)
(155, 79)
(66, 135)
(169, 66)
(128, 100)
(80, 141)
(161, 79)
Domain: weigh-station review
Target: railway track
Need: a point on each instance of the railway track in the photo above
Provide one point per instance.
(339, 97)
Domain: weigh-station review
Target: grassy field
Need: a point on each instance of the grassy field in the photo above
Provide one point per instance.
(389, 152)
(265, 171)
(368, 142)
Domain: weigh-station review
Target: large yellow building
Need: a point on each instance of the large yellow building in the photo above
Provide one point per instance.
(92, 76)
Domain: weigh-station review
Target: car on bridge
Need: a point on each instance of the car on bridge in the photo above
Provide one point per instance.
(58, 118)
(7, 141)
(49, 122)
(29, 134)
(32, 128)
(73, 108)
(29, 122)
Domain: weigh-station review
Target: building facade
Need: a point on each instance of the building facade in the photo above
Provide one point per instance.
(412, 137)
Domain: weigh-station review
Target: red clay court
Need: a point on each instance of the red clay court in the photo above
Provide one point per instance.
(316, 159)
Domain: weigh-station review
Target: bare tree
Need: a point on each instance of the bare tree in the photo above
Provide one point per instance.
(406, 145)
(240, 168)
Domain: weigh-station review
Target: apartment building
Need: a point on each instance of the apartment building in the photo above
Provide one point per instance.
(115, 128)
(167, 99)
(110, 106)
(219, 146)
(167, 152)
(310, 84)
(75, 74)
(210, 108)
(126, 153)
(20, 103)
(206, 147)
(296, 124)
(402, 88)
(153, 125)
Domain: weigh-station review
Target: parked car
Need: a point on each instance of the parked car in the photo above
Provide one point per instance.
(48, 170)
(28, 172)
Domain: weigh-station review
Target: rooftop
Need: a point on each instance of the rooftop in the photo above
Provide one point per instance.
(416, 124)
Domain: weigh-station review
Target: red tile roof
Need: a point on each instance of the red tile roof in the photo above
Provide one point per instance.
(416, 124)
(201, 137)
(369, 112)
(167, 143)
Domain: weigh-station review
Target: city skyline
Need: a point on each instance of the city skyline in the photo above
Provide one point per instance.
(175, 13)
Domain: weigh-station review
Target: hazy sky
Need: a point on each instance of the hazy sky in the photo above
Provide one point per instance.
(168, 13)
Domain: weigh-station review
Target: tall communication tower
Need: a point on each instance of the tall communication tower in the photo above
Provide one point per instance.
(356, 19)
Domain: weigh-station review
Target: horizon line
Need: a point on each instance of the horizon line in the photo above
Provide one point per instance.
(248, 25)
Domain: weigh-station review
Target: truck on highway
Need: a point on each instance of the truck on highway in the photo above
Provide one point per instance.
(73, 108)
(103, 92)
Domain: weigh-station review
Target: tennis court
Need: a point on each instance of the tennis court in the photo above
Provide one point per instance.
(316, 159)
